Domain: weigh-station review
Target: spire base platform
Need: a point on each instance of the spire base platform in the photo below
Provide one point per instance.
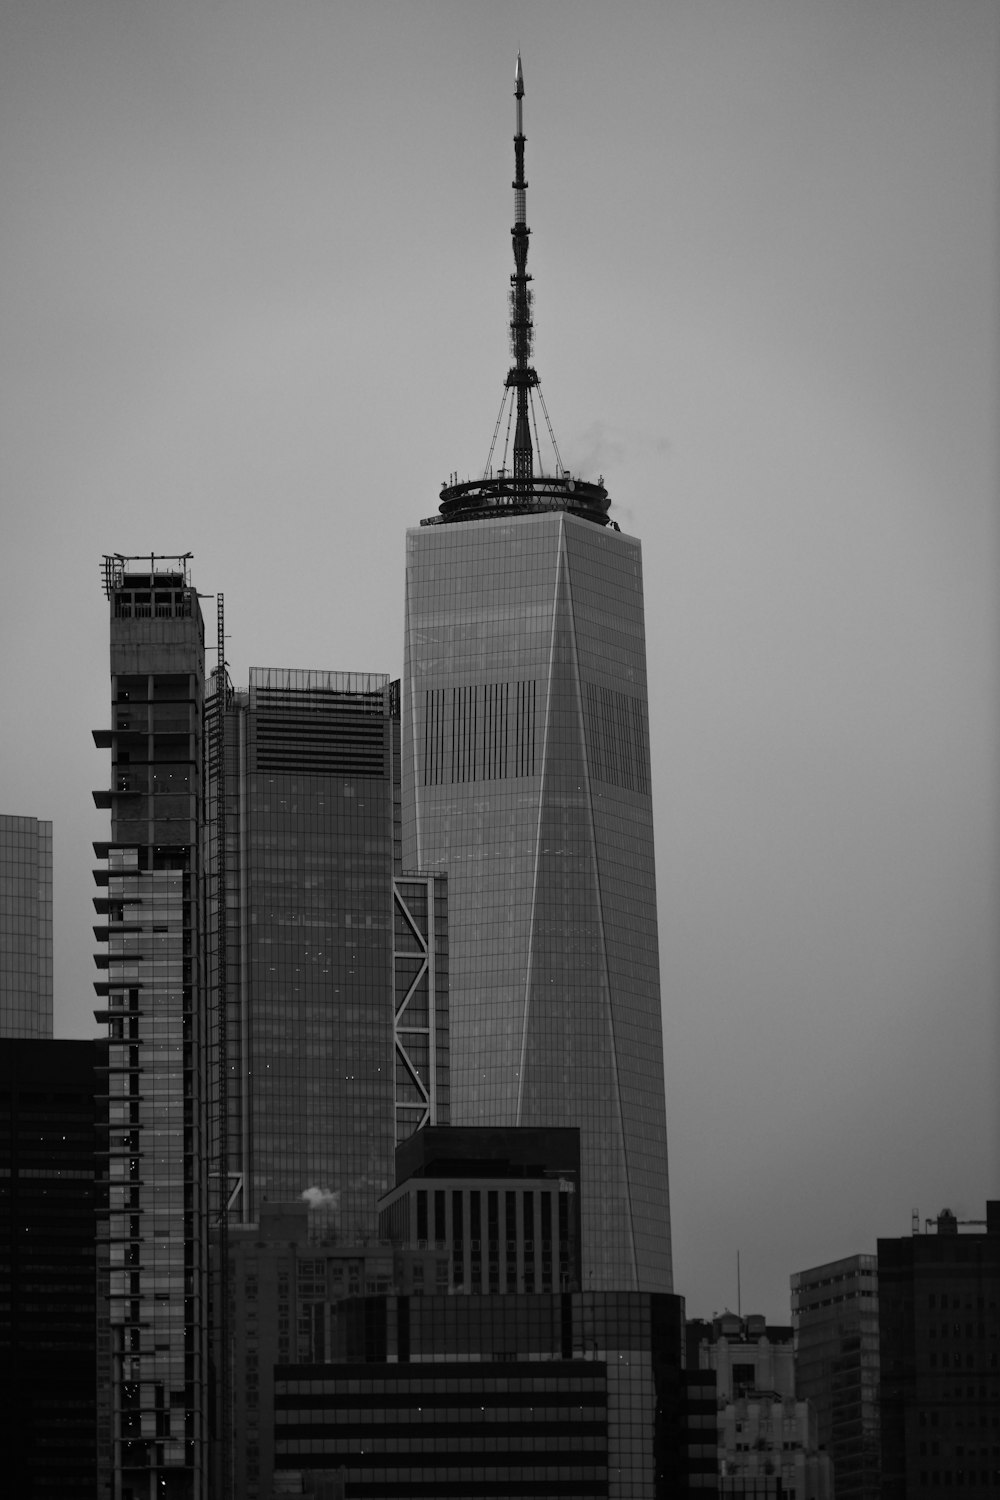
(508, 495)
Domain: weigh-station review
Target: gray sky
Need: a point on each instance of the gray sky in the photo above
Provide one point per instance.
(255, 265)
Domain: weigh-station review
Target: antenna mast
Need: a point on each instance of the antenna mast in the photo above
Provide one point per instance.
(520, 491)
(521, 376)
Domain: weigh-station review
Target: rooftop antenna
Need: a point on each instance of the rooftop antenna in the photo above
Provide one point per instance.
(521, 376)
(519, 490)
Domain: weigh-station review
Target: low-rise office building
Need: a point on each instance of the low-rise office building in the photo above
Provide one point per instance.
(767, 1438)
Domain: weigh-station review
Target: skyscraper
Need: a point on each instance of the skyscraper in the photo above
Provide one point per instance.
(25, 927)
(323, 1068)
(526, 777)
(151, 906)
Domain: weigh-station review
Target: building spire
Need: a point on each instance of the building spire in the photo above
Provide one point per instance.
(521, 376)
(520, 491)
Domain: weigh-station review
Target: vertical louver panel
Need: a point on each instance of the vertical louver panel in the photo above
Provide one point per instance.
(479, 732)
(617, 739)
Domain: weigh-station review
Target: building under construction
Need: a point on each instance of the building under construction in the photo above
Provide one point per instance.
(154, 999)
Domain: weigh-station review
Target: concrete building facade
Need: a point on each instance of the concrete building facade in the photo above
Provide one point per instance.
(939, 1340)
(835, 1318)
(504, 1206)
(768, 1442)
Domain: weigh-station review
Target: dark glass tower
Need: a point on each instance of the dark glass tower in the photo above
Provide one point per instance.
(324, 1069)
(526, 777)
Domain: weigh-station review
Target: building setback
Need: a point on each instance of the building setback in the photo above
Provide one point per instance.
(156, 1007)
(939, 1339)
(526, 777)
(48, 1307)
(25, 927)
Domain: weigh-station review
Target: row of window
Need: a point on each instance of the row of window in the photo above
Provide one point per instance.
(954, 1362)
(955, 1330)
(933, 1419)
(944, 1302)
(959, 1450)
(985, 1478)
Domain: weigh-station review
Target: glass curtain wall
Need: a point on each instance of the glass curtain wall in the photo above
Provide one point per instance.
(526, 779)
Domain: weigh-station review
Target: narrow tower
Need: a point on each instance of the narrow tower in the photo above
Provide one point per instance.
(526, 779)
(153, 1241)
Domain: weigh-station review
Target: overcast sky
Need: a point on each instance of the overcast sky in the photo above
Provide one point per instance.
(255, 263)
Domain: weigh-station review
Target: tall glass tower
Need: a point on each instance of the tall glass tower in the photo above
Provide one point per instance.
(526, 778)
(153, 1238)
(325, 1070)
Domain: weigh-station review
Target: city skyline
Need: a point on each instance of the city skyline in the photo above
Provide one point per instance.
(766, 312)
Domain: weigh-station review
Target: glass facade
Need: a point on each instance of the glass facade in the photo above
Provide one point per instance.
(325, 1066)
(25, 927)
(578, 1394)
(526, 779)
(309, 909)
(154, 1238)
